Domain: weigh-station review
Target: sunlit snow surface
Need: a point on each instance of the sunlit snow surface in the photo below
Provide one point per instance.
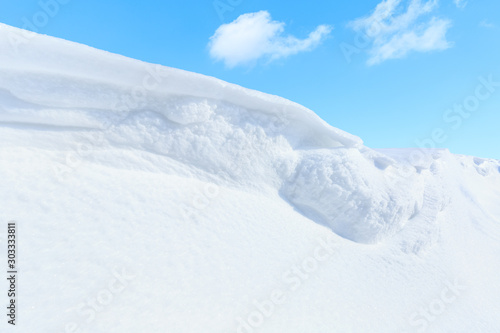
(210, 198)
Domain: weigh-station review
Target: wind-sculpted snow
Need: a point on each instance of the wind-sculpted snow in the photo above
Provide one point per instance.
(211, 198)
(77, 76)
(235, 134)
(344, 190)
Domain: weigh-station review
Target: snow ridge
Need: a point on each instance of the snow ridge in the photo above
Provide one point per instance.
(211, 198)
(237, 135)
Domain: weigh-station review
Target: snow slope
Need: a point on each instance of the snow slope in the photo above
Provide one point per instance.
(151, 199)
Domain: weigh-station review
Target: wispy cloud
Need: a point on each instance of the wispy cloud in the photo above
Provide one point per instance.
(255, 36)
(460, 3)
(396, 30)
(486, 24)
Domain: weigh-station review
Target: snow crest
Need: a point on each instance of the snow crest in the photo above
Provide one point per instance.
(209, 129)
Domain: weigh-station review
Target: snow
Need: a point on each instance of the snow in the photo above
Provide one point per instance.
(203, 201)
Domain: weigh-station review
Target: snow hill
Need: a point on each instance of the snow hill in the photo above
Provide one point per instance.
(151, 199)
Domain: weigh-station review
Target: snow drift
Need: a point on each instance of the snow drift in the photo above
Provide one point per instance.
(210, 190)
(224, 130)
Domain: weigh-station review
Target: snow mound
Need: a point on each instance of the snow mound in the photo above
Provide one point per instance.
(199, 202)
(213, 128)
(78, 76)
(347, 191)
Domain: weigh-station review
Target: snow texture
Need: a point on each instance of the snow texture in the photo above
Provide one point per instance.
(210, 194)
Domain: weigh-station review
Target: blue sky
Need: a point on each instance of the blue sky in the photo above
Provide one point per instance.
(397, 73)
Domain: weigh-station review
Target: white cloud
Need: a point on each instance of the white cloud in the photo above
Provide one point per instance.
(460, 3)
(486, 24)
(396, 30)
(254, 36)
(432, 37)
